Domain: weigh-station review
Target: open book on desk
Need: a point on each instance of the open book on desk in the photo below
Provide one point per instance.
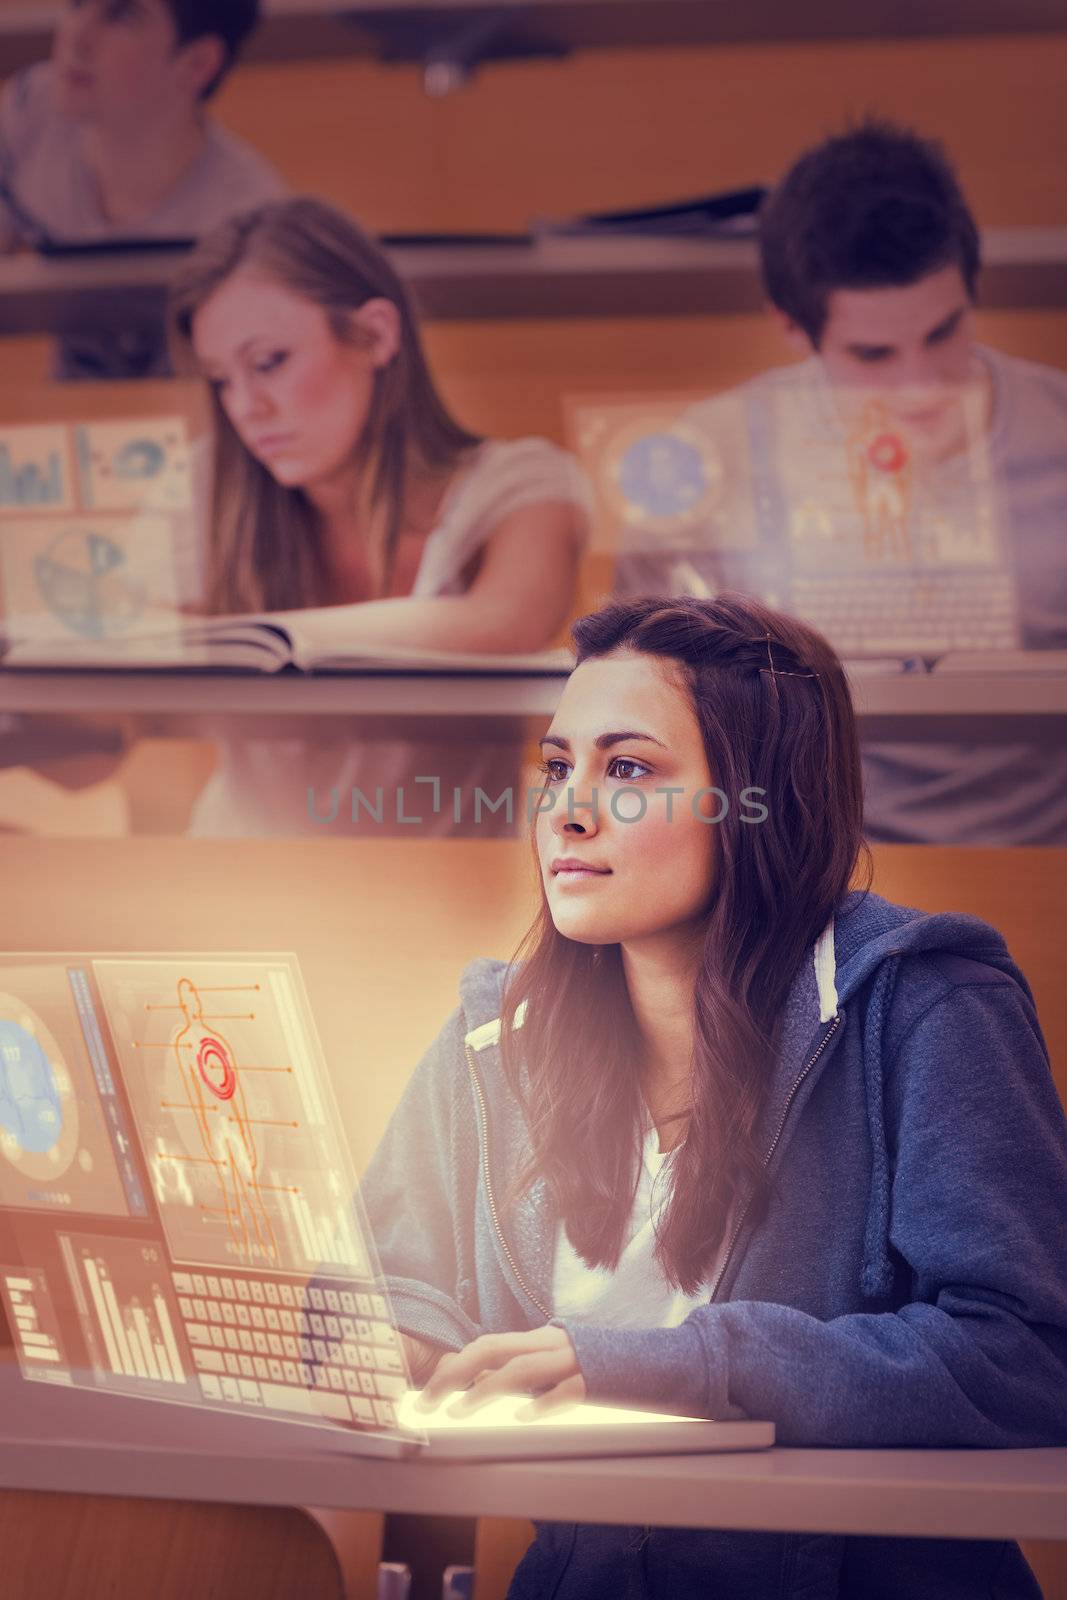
(317, 640)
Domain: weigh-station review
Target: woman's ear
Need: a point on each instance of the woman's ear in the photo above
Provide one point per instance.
(376, 324)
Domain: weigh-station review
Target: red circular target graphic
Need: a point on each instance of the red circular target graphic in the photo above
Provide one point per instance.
(887, 452)
(216, 1069)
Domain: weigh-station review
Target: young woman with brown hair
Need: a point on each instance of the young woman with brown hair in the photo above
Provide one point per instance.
(734, 1137)
(341, 479)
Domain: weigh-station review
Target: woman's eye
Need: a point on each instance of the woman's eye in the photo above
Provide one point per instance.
(272, 362)
(551, 770)
(640, 770)
(625, 768)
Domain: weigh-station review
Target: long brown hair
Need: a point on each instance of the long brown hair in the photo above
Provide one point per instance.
(775, 714)
(266, 549)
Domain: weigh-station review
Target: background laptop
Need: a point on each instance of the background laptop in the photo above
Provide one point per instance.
(179, 1222)
(774, 491)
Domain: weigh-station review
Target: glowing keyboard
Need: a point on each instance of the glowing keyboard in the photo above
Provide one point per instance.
(905, 613)
(303, 1350)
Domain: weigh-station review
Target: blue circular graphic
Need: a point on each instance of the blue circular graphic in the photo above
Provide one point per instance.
(663, 476)
(140, 458)
(84, 580)
(30, 1107)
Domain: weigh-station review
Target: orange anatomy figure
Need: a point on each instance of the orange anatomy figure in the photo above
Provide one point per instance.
(212, 1082)
(881, 470)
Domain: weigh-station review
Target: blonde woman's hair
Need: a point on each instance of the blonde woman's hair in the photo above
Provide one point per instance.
(265, 549)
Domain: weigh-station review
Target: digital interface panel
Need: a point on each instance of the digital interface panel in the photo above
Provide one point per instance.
(856, 479)
(178, 1214)
(65, 1141)
(875, 515)
(93, 518)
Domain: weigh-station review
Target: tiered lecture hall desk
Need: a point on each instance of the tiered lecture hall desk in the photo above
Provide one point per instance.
(198, 1460)
(183, 1513)
(70, 1504)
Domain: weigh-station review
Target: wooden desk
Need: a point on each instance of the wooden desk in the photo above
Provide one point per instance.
(978, 707)
(1007, 1494)
(552, 276)
(408, 29)
(77, 1440)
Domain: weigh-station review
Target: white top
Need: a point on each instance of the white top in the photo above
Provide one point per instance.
(41, 161)
(280, 786)
(636, 1294)
(43, 167)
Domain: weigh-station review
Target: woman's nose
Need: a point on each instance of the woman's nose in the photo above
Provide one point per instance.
(577, 811)
(248, 401)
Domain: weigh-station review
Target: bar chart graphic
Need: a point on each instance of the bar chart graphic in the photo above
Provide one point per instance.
(226, 1084)
(34, 474)
(34, 1324)
(120, 1290)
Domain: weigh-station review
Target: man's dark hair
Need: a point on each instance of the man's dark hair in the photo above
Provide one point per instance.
(232, 21)
(873, 208)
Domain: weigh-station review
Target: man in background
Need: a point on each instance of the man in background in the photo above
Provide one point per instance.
(899, 451)
(112, 138)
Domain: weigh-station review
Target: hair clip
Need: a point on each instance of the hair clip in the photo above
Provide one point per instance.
(779, 672)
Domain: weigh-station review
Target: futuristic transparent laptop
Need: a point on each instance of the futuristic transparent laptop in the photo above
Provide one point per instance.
(179, 1221)
(830, 513)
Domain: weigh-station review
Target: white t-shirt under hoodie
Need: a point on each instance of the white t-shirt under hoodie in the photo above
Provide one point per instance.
(636, 1294)
(306, 783)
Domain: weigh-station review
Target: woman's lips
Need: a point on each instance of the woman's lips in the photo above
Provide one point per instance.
(566, 870)
(273, 444)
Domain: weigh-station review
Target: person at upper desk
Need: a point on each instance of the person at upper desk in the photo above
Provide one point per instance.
(112, 139)
(901, 454)
(733, 1136)
(341, 478)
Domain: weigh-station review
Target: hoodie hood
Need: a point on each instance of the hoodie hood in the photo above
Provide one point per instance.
(863, 944)
(865, 931)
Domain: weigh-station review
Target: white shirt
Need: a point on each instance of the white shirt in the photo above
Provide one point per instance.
(282, 786)
(41, 160)
(44, 169)
(636, 1294)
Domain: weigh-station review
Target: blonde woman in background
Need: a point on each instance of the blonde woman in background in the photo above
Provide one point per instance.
(339, 478)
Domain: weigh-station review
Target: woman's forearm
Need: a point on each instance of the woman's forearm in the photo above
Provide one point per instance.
(439, 622)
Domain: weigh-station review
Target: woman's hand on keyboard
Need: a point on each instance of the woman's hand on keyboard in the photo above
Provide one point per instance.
(422, 1358)
(541, 1364)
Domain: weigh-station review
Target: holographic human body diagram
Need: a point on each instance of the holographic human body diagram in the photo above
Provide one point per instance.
(881, 469)
(211, 1076)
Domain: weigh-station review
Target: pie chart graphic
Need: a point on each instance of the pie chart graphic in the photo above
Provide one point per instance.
(84, 580)
(664, 478)
(38, 1109)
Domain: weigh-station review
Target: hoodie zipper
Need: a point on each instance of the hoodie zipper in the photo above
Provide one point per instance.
(794, 1091)
(484, 1117)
